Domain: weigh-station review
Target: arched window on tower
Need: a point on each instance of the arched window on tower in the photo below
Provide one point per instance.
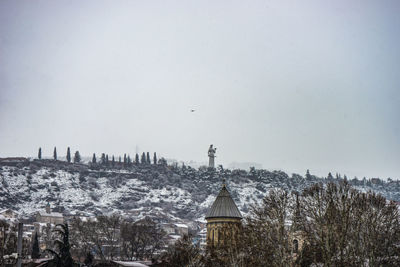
(295, 246)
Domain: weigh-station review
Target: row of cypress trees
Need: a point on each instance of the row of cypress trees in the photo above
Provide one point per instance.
(127, 161)
(76, 159)
(104, 160)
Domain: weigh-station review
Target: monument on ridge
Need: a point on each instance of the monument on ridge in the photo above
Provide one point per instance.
(211, 156)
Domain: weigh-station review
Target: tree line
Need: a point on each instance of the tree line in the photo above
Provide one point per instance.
(113, 161)
(325, 225)
(92, 241)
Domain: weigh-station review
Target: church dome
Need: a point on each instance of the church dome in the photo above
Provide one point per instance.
(223, 206)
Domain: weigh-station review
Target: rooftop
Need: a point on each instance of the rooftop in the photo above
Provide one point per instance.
(223, 206)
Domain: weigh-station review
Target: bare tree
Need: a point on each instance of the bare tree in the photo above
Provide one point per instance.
(345, 227)
(141, 239)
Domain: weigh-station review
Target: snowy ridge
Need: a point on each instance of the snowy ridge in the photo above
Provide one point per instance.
(168, 193)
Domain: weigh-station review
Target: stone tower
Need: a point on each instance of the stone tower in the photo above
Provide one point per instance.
(223, 219)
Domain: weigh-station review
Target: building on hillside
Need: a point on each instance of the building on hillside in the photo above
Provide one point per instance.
(181, 229)
(29, 231)
(174, 231)
(168, 228)
(48, 216)
(146, 221)
(223, 219)
(9, 214)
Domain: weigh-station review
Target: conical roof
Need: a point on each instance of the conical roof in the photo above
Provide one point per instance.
(223, 206)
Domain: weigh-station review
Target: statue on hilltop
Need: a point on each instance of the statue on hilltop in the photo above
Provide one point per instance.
(211, 155)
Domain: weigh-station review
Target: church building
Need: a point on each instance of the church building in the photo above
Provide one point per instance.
(223, 219)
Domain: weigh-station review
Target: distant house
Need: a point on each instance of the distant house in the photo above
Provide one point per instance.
(9, 213)
(48, 216)
(175, 229)
(181, 229)
(145, 222)
(168, 228)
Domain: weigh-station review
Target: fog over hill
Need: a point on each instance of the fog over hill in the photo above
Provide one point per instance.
(167, 192)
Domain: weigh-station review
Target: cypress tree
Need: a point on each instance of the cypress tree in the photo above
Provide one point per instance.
(113, 161)
(94, 158)
(63, 257)
(55, 153)
(137, 158)
(40, 153)
(35, 248)
(77, 157)
(155, 158)
(68, 155)
(119, 160)
(143, 159)
(308, 175)
(129, 161)
(107, 159)
(148, 158)
(125, 159)
(103, 158)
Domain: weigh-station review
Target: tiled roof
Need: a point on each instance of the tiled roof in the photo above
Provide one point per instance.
(223, 206)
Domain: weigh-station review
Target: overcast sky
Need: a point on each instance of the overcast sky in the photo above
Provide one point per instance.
(292, 85)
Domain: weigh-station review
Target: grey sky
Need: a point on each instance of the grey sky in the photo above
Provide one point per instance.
(293, 85)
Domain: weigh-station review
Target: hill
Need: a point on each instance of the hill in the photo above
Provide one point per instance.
(161, 191)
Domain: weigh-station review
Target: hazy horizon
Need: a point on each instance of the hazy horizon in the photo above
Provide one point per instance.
(290, 85)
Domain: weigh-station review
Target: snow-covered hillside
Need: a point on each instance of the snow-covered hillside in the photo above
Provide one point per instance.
(165, 192)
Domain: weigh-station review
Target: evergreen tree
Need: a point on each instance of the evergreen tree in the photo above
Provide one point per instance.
(103, 158)
(113, 161)
(129, 161)
(148, 161)
(107, 159)
(308, 175)
(162, 161)
(35, 248)
(40, 153)
(155, 158)
(330, 177)
(55, 153)
(63, 256)
(77, 157)
(119, 160)
(137, 158)
(68, 155)
(143, 159)
(125, 159)
(94, 158)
